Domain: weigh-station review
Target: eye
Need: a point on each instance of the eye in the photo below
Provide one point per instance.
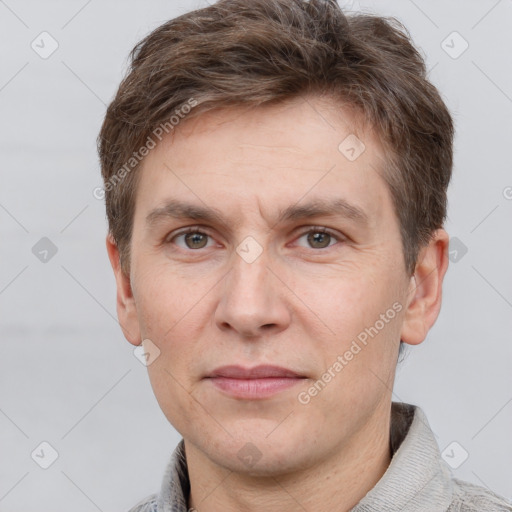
(320, 238)
(192, 239)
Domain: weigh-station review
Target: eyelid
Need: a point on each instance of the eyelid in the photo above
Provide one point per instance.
(323, 229)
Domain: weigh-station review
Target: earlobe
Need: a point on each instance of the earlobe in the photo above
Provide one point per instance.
(425, 290)
(126, 307)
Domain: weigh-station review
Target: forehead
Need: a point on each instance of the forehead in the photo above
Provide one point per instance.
(271, 155)
(301, 127)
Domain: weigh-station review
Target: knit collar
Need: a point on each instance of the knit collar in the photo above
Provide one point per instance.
(417, 479)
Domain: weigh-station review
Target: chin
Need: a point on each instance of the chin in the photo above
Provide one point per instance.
(258, 453)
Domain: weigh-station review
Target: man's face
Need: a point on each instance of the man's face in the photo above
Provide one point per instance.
(255, 287)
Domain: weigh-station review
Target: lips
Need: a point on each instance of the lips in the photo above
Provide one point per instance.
(258, 372)
(255, 383)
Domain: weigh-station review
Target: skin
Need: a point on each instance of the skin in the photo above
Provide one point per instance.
(298, 305)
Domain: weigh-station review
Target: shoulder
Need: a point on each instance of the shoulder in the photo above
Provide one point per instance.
(474, 498)
(148, 504)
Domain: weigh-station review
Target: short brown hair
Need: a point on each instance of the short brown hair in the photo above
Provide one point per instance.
(241, 52)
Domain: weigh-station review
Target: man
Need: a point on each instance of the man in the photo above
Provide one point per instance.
(275, 176)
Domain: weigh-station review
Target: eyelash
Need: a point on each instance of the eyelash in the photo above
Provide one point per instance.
(312, 229)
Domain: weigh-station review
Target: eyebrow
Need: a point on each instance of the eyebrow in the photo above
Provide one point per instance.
(338, 207)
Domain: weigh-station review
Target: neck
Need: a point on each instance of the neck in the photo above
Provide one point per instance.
(334, 484)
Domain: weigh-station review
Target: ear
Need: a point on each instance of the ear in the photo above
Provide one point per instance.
(126, 308)
(425, 290)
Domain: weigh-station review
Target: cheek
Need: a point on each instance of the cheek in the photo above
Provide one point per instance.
(173, 394)
(359, 316)
(343, 301)
(172, 311)
(166, 310)
(163, 299)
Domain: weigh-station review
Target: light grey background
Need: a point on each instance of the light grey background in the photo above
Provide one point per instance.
(67, 375)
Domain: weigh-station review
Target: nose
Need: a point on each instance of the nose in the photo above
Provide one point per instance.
(253, 301)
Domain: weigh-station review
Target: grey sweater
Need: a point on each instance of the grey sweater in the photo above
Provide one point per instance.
(417, 479)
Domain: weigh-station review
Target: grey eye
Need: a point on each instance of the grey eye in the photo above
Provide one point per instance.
(319, 240)
(192, 240)
(196, 240)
